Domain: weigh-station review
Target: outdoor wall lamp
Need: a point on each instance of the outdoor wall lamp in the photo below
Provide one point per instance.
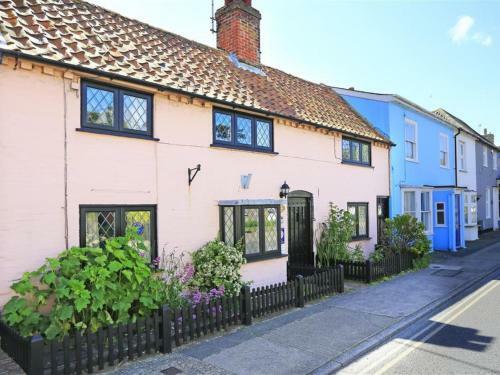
(192, 175)
(284, 190)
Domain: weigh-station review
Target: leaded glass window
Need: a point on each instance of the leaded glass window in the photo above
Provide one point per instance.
(244, 130)
(135, 113)
(263, 133)
(355, 151)
(251, 225)
(359, 211)
(223, 127)
(98, 223)
(257, 227)
(238, 130)
(100, 106)
(113, 109)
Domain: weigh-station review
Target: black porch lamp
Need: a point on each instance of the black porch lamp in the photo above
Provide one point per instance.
(284, 190)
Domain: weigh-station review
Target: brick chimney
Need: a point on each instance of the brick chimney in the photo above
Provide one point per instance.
(489, 136)
(238, 30)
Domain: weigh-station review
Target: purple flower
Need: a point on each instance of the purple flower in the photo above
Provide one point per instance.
(187, 273)
(140, 227)
(156, 261)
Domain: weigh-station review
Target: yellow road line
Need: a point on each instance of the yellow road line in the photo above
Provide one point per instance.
(442, 315)
(415, 345)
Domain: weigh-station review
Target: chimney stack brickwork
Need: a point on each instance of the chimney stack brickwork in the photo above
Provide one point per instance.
(489, 136)
(238, 30)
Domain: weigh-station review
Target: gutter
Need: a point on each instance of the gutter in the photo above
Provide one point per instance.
(161, 88)
(456, 154)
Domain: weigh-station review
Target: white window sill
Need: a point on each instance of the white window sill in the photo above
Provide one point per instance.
(444, 166)
(441, 226)
(412, 160)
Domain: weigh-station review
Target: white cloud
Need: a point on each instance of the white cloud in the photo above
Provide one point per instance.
(483, 39)
(461, 32)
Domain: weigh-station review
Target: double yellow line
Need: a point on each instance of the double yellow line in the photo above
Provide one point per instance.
(441, 319)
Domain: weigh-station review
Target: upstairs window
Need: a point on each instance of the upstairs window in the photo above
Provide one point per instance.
(494, 156)
(443, 151)
(258, 227)
(462, 161)
(112, 109)
(356, 152)
(360, 213)
(242, 131)
(485, 156)
(411, 136)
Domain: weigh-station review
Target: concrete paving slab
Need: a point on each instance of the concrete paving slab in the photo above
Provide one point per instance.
(261, 356)
(322, 333)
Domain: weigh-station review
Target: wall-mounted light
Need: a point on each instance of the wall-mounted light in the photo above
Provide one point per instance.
(284, 190)
(245, 181)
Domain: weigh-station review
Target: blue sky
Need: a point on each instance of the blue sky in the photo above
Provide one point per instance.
(437, 54)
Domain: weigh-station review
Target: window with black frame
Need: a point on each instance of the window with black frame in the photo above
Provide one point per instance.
(356, 152)
(257, 227)
(98, 223)
(360, 213)
(243, 131)
(112, 109)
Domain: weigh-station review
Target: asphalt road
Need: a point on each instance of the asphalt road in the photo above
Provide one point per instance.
(462, 338)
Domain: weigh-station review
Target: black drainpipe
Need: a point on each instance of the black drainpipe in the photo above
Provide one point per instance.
(456, 157)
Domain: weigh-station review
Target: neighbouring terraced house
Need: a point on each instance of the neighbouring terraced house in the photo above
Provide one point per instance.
(107, 122)
(477, 168)
(422, 170)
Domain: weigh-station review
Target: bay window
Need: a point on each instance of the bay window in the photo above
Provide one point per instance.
(418, 203)
(470, 208)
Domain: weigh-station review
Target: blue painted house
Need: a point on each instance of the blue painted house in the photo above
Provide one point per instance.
(422, 164)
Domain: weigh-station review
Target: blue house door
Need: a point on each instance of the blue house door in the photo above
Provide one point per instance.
(458, 238)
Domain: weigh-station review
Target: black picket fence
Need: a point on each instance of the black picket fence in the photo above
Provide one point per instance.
(163, 329)
(367, 271)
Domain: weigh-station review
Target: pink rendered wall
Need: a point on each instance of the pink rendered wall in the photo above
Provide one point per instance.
(104, 169)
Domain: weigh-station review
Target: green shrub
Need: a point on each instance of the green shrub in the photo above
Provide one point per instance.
(334, 237)
(218, 265)
(404, 233)
(86, 288)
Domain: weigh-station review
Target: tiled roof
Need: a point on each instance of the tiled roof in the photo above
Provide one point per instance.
(83, 35)
(444, 114)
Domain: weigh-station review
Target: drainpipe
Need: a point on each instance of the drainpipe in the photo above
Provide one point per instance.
(456, 156)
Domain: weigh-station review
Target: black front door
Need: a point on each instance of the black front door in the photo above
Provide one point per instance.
(382, 214)
(300, 249)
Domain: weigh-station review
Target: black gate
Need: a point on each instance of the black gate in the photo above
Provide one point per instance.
(300, 235)
(382, 214)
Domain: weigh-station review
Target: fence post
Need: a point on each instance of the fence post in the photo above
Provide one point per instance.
(341, 278)
(167, 330)
(35, 355)
(247, 305)
(300, 291)
(369, 271)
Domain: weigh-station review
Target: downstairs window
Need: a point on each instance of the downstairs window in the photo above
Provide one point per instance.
(98, 223)
(258, 227)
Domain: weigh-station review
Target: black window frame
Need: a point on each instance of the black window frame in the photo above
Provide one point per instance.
(118, 112)
(351, 160)
(239, 228)
(233, 143)
(120, 227)
(356, 205)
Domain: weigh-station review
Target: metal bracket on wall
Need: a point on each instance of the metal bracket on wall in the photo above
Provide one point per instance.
(192, 175)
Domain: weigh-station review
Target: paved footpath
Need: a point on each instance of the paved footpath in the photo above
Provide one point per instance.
(322, 337)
